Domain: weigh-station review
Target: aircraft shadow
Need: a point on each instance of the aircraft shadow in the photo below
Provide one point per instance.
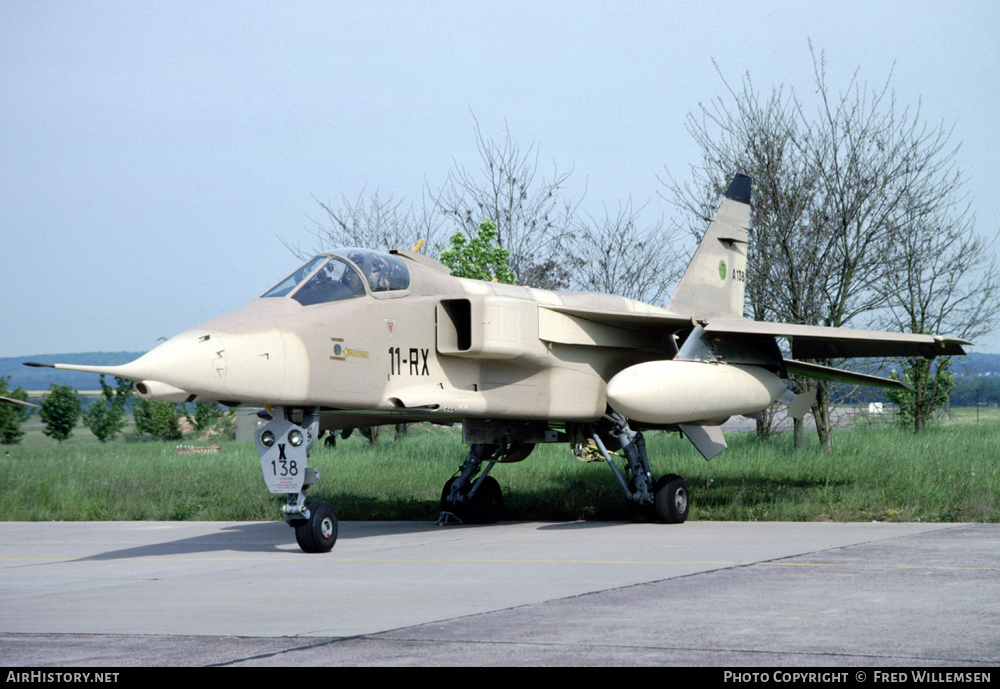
(258, 537)
(277, 537)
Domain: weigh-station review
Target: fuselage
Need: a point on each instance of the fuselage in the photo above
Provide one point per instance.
(430, 346)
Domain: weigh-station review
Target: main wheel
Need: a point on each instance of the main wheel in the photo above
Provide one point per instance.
(671, 499)
(318, 533)
(486, 504)
(484, 507)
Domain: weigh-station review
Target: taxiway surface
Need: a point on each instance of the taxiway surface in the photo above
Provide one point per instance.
(584, 593)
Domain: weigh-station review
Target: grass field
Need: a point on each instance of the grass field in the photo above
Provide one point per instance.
(879, 472)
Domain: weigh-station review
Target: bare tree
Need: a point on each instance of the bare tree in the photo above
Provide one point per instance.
(833, 188)
(760, 136)
(878, 165)
(373, 222)
(533, 217)
(551, 246)
(787, 257)
(615, 254)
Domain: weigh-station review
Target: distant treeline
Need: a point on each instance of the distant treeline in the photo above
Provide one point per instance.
(972, 390)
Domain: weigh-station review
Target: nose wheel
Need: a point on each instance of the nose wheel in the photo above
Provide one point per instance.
(318, 532)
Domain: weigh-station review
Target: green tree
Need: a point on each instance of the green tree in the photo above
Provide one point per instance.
(206, 414)
(60, 411)
(106, 416)
(158, 420)
(479, 258)
(932, 382)
(12, 415)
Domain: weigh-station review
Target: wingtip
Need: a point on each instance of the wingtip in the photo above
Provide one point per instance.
(13, 400)
(739, 188)
(37, 365)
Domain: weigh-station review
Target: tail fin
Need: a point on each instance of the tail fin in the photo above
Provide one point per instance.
(714, 281)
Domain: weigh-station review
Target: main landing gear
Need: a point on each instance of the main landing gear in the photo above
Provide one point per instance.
(471, 499)
(473, 496)
(665, 500)
(284, 459)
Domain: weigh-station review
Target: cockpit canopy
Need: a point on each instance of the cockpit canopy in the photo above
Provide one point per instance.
(343, 274)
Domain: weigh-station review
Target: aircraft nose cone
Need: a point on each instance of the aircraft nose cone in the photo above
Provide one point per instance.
(241, 357)
(193, 361)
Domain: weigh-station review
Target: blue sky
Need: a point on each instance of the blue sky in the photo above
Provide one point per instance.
(154, 154)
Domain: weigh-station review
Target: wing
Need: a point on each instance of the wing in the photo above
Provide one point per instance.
(629, 320)
(817, 342)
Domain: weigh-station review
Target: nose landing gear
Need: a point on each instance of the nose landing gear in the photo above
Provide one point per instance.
(284, 459)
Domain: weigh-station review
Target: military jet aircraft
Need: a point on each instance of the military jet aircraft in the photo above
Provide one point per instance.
(359, 338)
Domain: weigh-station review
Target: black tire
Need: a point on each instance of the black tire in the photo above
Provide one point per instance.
(318, 533)
(485, 506)
(487, 503)
(672, 500)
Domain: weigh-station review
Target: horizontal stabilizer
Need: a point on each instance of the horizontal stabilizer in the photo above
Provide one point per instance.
(708, 439)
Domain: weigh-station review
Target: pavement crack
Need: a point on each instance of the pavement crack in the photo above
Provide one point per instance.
(319, 643)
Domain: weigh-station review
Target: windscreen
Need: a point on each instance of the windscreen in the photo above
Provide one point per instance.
(283, 288)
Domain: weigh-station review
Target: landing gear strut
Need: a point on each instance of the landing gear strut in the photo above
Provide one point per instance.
(468, 500)
(284, 459)
(665, 500)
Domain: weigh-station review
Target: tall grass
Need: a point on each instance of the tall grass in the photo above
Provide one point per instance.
(951, 472)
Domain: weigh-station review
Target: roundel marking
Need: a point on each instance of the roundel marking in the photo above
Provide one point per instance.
(722, 270)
